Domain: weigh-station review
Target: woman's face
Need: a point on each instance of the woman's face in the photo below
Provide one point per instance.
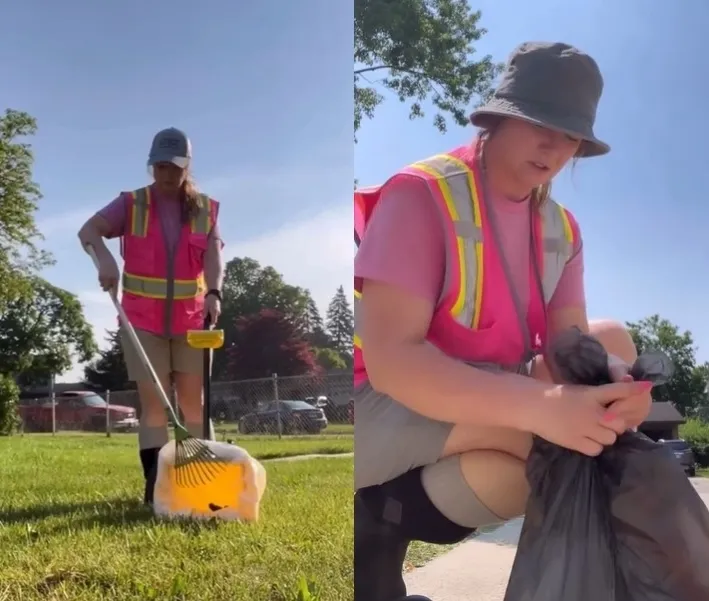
(533, 155)
(168, 177)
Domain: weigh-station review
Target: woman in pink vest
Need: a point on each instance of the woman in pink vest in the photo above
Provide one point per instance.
(171, 283)
(446, 409)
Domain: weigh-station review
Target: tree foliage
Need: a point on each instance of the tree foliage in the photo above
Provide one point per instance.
(109, 372)
(42, 333)
(340, 324)
(19, 198)
(248, 288)
(418, 50)
(269, 342)
(686, 389)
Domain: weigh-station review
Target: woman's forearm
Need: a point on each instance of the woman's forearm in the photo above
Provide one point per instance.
(213, 266)
(432, 384)
(90, 235)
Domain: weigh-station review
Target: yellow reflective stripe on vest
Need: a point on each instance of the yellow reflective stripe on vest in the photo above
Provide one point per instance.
(558, 245)
(357, 341)
(456, 183)
(140, 212)
(202, 223)
(157, 287)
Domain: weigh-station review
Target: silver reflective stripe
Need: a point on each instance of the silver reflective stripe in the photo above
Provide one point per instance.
(201, 223)
(139, 223)
(557, 249)
(156, 288)
(456, 178)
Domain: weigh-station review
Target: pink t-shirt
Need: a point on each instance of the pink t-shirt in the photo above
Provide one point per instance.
(404, 246)
(169, 215)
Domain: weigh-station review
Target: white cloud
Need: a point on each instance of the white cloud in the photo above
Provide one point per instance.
(314, 252)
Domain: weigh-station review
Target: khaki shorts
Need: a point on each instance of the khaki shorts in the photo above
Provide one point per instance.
(167, 355)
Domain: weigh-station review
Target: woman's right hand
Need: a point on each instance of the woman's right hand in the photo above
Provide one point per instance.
(108, 273)
(577, 418)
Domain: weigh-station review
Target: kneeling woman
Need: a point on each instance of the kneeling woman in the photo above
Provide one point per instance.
(466, 269)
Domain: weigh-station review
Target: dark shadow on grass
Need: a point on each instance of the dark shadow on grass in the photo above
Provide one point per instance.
(108, 513)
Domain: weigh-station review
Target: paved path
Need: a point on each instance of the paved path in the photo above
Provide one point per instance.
(311, 456)
(478, 569)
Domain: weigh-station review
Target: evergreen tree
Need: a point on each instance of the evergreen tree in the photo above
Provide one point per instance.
(340, 324)
(109, 371)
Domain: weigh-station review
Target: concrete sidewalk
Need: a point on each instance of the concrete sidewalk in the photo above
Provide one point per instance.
(478, 569)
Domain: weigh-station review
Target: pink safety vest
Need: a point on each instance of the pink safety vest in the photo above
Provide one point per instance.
(476, 319)
(161, 294)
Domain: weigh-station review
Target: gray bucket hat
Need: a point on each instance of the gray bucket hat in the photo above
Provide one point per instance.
(553, 85)
(170, 146)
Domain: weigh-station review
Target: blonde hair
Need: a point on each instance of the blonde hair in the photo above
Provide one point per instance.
(190, 198)
(540, 194)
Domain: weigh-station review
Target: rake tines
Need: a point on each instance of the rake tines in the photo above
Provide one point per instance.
(196, 464)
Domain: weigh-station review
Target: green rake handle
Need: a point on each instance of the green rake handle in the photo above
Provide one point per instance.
(123, 318)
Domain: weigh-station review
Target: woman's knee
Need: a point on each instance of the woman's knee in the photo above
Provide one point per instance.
(615, 338)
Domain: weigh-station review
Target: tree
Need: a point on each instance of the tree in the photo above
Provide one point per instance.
(41, 334)
(314, 326)
(340, 324)
(19, 197)
(424, 49)
(109, 371)
(686, 389)
(329, 359)
(248, 288)
(269, 342)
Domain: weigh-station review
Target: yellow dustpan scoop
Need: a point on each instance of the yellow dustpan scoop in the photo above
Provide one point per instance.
(205, 339)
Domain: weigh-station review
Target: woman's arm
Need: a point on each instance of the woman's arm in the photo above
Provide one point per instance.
(213, 261)
(108, 223)
(400, 263)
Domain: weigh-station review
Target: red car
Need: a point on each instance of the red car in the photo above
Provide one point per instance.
(78, 410)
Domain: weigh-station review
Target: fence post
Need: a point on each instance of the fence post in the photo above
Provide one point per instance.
(108, 414)
(278, 405)
(54, 405)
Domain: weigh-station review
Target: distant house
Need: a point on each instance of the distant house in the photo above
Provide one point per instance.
(663, 422)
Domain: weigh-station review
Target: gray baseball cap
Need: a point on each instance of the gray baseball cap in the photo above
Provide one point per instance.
(170, 146)
(553, 85)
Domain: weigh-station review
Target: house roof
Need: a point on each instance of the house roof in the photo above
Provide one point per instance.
(664, 413)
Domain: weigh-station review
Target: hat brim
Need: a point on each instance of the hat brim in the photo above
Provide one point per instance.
(502, 107)
(181, 162)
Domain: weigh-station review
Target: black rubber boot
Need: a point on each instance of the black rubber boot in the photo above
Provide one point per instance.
(379, 553)
(149, 460)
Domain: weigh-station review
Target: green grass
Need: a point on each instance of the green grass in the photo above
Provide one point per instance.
(703, 472)
(72, 528)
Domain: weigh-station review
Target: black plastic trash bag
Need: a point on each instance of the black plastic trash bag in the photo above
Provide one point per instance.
(625, 526)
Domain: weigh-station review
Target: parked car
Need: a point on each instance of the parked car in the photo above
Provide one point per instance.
(294, 416)
(684, 454)
(78, 410)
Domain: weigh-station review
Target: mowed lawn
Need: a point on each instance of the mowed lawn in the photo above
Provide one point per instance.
(72, 527)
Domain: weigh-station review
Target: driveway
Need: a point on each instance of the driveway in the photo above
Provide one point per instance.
(478, 569)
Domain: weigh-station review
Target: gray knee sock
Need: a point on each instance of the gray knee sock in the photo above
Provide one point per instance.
(152, 437)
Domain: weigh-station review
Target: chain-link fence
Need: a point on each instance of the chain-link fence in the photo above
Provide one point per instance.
(291, 405)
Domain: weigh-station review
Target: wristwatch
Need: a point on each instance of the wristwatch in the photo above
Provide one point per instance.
(215, 292)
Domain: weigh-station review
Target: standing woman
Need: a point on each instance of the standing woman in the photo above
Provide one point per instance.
(466, 269)
(171, 283)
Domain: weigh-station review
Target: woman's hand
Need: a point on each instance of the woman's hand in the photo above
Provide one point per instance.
(587, 418)
(212, 309)
(634, 409)
(108, 273)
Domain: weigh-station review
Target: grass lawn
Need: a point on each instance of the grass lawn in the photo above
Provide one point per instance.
(72, 527)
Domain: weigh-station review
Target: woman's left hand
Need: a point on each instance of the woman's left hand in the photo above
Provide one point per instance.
(212, 308)
(634, 410)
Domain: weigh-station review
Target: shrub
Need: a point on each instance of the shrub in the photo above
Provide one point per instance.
(696, 433)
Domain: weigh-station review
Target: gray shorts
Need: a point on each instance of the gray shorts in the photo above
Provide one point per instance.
(391, 439)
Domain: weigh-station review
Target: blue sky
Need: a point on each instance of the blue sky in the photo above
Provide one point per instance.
(643, 209)
(262, 88)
